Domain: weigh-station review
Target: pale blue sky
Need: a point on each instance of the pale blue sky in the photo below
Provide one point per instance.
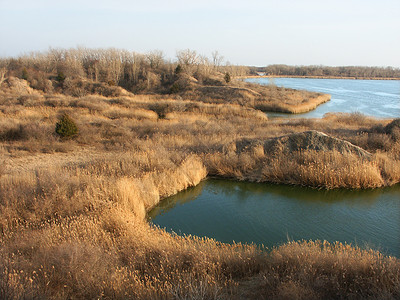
(252, 32)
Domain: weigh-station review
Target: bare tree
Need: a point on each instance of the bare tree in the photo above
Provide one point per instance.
(217, 59)
(204, 67)
(110, 65)
(115, 66)
(187, 59)
(133, 66)
(155, 58)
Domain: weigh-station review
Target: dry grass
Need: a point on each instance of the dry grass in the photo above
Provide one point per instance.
(264, 98)
(113, 256)
(73, 213)
(309, 168)
(293, 105)
(315, 270)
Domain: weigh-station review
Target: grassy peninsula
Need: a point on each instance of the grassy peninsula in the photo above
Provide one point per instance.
(73, 206)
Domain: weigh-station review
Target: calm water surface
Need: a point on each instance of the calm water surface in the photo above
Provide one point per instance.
(271, 214)
(378, 98)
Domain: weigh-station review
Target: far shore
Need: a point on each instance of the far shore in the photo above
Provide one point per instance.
(318, 77)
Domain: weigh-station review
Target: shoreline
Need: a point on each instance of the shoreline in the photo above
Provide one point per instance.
(311, 105)
(318, 77)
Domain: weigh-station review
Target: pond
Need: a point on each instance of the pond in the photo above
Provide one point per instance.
(269, 215)
(377, 98)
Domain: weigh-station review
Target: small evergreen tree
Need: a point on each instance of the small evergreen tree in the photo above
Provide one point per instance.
(175, 88)
(66, 127)
(227, 77)
(60, 77)
(24, 74)
(178, 69)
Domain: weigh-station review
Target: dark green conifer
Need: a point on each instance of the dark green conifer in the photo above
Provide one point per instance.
(66, 127)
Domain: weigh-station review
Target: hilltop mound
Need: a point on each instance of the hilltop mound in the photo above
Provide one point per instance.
(80, 87)
(77, 87)
(228, 93)
(303, 141)
(392, 126)
(18, 86)
(184, 82)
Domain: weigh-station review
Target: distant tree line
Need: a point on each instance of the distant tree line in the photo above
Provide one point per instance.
(60, 69)
(321, 71)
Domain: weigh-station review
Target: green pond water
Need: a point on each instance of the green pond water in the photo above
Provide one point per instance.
(270, 215)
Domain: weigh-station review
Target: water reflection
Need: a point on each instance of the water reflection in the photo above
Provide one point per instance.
(268, 214)
(246, 190)
(181, 198)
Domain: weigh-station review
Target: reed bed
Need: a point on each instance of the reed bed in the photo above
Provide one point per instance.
(294, 107)
(73, 211)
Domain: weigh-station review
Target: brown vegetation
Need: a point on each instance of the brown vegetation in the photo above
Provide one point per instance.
(73, 211)
(113, 73)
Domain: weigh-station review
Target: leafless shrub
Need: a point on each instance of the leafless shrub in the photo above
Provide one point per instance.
(14, 134)
(3, 72)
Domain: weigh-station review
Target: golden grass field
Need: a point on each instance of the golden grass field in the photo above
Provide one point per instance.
(73, 211)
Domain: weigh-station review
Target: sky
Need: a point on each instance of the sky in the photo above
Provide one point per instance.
(247, 32)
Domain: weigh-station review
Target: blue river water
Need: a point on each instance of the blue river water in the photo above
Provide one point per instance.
(377, 98)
